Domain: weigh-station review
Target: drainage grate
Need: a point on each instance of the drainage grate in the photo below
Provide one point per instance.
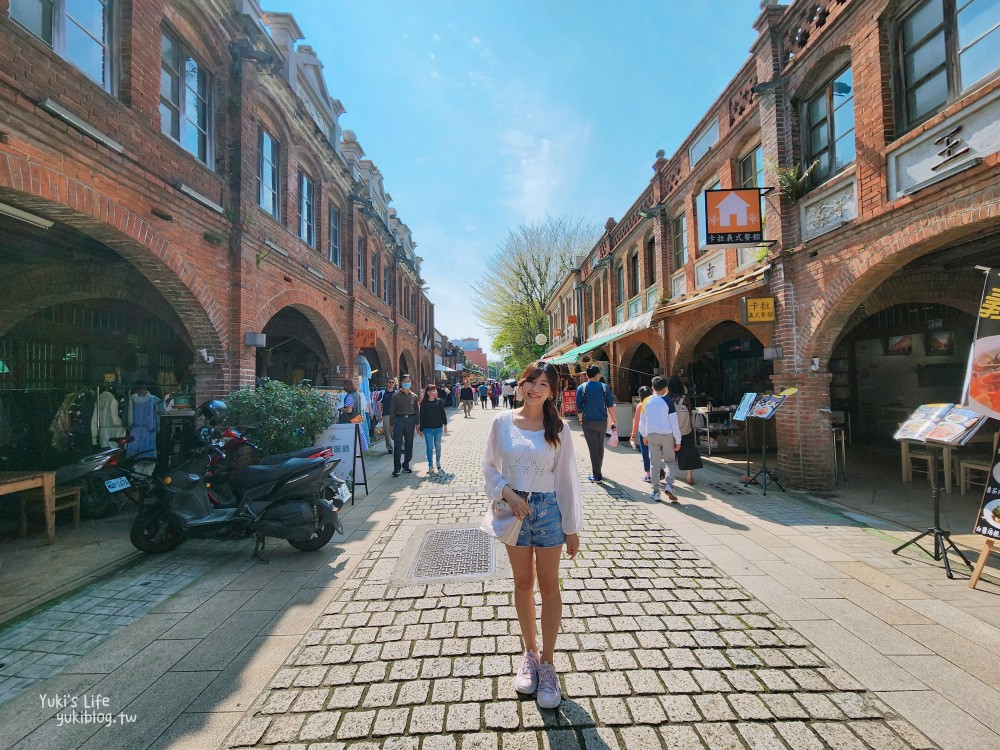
(729, 489)
(455, 552)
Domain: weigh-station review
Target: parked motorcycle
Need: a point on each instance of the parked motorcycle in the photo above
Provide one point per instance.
(121, 479)
(284, 501)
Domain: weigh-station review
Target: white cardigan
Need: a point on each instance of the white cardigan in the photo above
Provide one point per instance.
(513, 456)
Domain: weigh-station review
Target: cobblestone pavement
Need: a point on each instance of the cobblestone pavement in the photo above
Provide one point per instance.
(46, 642)
(658, 649)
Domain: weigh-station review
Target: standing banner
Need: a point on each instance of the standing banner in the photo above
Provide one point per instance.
(988, 520)
(982, 378)
(345, 441)
(569, 403)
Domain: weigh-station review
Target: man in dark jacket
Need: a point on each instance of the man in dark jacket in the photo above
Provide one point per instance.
(402, 420)
(593, 399)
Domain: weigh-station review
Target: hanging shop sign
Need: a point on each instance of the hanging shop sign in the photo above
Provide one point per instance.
(569, 403)
(982, 379)
(757, 310)
(365, 338)
(733, 217)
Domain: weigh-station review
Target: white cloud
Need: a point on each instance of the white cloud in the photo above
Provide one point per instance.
(436, 37)
(476, 41)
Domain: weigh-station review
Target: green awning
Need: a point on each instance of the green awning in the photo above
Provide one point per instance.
(573, 354)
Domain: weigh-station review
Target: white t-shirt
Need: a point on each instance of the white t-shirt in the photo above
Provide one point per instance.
(525, 461)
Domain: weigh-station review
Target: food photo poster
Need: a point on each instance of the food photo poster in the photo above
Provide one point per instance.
(982, 379)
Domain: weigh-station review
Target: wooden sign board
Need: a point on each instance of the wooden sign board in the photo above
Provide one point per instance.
(365, 338)
(758, 310)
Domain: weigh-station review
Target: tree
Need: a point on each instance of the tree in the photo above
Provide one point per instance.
(520, 279)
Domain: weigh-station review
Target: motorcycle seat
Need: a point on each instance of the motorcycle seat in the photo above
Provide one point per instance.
(252, 476)
(282, 457)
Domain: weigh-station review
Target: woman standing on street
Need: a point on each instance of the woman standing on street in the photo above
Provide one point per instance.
(636, 439)
(529, 463)
(432, 422)
(688, 457)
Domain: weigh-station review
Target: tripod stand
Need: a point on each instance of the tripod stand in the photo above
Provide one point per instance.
(942, 538)
(768, 477)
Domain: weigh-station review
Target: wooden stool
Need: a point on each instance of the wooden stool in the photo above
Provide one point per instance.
(66, 498)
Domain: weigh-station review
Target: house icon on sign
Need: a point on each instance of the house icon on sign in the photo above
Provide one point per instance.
(730, 207)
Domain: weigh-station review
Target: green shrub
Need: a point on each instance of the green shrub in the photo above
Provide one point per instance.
(279, 417)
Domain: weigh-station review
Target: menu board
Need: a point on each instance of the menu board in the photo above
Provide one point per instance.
(982, 379)
(744, 408)
(765, 408)
(988, 518)
(941, 423)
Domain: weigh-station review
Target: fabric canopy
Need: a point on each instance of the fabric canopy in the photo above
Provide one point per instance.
(615, 332)
(444, 368)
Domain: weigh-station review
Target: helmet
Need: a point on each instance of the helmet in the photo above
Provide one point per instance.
(213, 412)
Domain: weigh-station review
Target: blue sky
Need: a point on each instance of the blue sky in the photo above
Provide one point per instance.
(482, 115)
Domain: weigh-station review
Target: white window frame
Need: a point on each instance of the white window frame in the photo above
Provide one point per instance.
(701, 231)
(361, 260)
(333, 245)
(307, 209)
(183, 92)
(701, 145)
(274, 159)
(58, 38)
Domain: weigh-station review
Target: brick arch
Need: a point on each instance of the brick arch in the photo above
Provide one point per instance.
(407, 357)
(428, 367)
(67, 284)
(42, 189)
(724, 311)
(884, 251)
(648, 338)
(924, 285)
(309, 303)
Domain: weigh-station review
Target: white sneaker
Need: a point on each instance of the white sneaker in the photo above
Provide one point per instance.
(654, 495)
(549, 695)
(526, 679)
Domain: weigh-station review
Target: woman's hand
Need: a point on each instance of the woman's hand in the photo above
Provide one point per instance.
(572, 545)
(631, 442)
(518, 505)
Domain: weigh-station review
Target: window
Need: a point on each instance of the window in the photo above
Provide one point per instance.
(633, 273)
(705, 140)
(620, 280)
(184, 98)
(361, 260)
(385, 284)
(702, 213)
(752, 172)
(650, 261)
(334, 249)
(267, 173)
(945, 47)
(374, 274)
(307, 210)
(830, 126)
(78, 30)
(678, 234)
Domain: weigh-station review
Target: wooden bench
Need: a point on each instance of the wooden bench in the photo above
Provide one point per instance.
(65, 498)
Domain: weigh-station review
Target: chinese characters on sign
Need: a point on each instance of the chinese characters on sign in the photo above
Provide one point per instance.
(365, 338)
(733, 217)
(758, 309)
(982, 376)
(988, 520)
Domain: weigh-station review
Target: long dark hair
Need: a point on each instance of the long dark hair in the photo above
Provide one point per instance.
(550, 412)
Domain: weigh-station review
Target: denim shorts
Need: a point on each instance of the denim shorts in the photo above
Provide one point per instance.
(542, 527)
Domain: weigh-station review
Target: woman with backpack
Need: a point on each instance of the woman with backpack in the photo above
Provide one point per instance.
(688, 457)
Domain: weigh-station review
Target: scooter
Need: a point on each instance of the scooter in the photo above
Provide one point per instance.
(284, 501)
(121, 479)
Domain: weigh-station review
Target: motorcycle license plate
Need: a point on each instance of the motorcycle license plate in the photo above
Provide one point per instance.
(117, 485)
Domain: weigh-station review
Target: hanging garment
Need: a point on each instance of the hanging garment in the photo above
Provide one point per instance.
(143, 420)
(106, 426)
(62, 423)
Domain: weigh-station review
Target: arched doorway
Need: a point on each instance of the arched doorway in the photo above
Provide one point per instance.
(726, 363)
(77, 317)
(407, 365)
(641, 368)
(295, 351)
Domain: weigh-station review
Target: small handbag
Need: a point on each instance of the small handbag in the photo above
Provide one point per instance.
(500, 522)
(613, 440)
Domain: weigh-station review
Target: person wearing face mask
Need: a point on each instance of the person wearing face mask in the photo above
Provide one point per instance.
(402, 418)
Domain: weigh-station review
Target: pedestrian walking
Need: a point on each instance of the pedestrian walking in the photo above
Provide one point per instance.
(432, 421)
(467, 395)
(660, 431)
(382, 411)
(508, 395)
(636, 439)
(484, 393)
(494, 395)
(593, 400)
(530, 464)
(402, 419)
(688, 457)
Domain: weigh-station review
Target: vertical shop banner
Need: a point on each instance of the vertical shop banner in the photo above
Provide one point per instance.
(988, 518)
(569, 403)
(982, 379)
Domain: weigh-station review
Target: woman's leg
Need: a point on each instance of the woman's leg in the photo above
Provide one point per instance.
(437, 443)
(644, 450)
(429, 447)
(547, 567)
(522, 565)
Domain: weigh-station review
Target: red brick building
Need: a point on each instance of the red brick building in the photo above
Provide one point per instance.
(174, 181)
(873, 257)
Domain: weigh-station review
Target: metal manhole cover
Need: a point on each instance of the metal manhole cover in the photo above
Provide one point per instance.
(729, 489)
(455, 552)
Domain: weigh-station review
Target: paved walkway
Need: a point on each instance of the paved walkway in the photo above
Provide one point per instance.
(659, 648)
